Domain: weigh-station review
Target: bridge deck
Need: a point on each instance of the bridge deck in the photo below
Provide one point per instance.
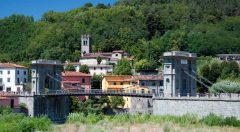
(95, 92)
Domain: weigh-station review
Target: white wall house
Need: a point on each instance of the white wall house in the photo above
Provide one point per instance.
(97, 69)
(12, 77)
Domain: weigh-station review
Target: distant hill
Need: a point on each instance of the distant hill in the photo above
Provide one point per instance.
(144, 28)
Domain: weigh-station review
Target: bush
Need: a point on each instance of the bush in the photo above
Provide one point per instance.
(213, 120)
(19, 122)
(225, 86)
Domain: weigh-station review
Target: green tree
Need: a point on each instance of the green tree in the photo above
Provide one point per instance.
(70, 68)
(88, 5)
(74, 104)
(99, 59)
(84, 69)
(103, 100)
(101, 6)
(144, 64)
(117, 101)
(96, 82)
(123, 67)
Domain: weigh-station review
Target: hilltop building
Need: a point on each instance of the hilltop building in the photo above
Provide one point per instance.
(13, 77)
(107, 59)
(229, 57)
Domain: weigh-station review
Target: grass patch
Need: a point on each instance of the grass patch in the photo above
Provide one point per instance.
(210, 120)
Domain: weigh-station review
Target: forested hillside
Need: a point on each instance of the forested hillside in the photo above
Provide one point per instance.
(144, 28)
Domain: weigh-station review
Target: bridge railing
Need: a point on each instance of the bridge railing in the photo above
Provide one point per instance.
(12, 93)
(90, 91)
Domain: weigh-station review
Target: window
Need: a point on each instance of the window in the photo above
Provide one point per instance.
(18, 72)
(1, 88)
(154, 91)
(167, 80)
(8, 80)
(1, 80)
(24, 72)
(94, 68)
(154, 84)
(83, 80)
(0, 72)
(18, 89)
(8, 89)
(101, 68)
(121, 83)
(116, 54)
(33, 82)
(8, 72)
(142, 91)
(18, 80)
(25, 80)
(114, 83)
(142, 83)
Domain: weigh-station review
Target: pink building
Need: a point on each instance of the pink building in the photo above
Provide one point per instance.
(9, 101)
(76, 81)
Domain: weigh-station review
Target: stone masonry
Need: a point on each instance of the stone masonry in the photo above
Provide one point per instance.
(202, 106)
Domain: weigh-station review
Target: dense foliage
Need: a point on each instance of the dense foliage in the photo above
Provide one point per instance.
(69, 68)
(84, 69)
(212, 71)
(11, 122)
(226, 86)
(123, 67)
(144, 28)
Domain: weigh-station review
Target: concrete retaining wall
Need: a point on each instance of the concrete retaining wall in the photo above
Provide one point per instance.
(195, 105)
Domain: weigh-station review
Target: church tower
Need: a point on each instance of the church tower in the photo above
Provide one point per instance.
(85, 44)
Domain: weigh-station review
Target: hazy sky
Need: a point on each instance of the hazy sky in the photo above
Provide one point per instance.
(36, 8)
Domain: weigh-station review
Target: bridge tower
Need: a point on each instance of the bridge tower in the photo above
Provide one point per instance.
(46, 77)
(179, 73)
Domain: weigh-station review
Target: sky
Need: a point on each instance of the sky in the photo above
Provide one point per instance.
(37, 8)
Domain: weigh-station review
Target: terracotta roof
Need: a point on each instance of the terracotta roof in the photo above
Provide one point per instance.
(118, 51)
(71, 73)
(95, 55)
(116, 78)
(10, 65)
(148, 77)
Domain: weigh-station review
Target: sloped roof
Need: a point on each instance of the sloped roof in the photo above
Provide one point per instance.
(117, 78)
(72, 73)
(148, 77)
(10, 65)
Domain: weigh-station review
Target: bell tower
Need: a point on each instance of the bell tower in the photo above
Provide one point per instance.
(85, 44)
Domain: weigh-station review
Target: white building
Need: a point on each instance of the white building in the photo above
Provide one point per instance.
(94, 68)
(12, 77)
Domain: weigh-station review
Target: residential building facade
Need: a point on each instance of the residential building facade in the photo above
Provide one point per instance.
(76, 81)
(13, 77)
(154, 83)
(132, 84)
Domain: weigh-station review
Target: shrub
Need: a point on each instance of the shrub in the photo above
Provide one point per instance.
(19, 122)
(225, 86)
(213, 120)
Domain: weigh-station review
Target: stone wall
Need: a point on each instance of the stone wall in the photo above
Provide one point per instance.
(224, 105)
(140, 105)
(29, 101)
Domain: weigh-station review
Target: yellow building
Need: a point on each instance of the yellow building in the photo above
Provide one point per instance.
(116, 82)
(123, 83)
